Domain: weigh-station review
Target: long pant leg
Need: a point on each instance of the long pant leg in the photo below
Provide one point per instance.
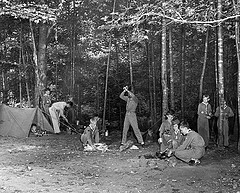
(187, 155)
(134, 124)
(55, 120)
(96, 138)
(220, 137)
(203, 129)
(84, 139)
(225, 133)
(125, 129)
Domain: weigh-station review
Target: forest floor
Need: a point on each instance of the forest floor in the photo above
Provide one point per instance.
(55, 163)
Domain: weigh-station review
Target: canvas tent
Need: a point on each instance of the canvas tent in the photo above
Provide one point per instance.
(17, 122)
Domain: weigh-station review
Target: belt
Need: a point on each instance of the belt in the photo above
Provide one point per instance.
(130, 112)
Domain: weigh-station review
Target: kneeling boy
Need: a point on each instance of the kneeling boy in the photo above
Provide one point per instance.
(193, 147)
(91, 133)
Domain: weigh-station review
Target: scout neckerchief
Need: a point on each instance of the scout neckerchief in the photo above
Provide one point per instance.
(206, 106)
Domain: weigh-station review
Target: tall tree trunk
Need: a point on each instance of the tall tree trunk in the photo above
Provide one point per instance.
(4, 96)
(107, 73)
(37, 76)
(41, 62)
(20, 67)
(164, 69)
(204, 66)
(148, 57)
(216, 66)
(130, 60)
(73, 51)
(106, 85)
(238, 56)
(118, 78)
(220, 73)
(25, 75)
(183, 66)
(154, 84)
(237, 35)
(171, 69)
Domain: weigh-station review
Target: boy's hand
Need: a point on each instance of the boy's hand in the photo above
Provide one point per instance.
(125, 88)
(160, 140)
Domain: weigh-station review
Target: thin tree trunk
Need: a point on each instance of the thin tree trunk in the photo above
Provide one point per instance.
(25, 74)
(130, 61)
(37, 78)
(20, 65)
(106, 85)
(220, 73)
(107, 73)
(154, 84)
(183, 70)
(164, 69)
(148, 48)
(73, 50)
(98, 96)
(216, 66)
(237, 39)
(117, 75)
(204, 65)
(171, 68)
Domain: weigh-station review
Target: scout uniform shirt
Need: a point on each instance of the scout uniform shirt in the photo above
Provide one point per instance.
(89, 135)
(192, 141)
(227, 112)
(131, 103)
(192, 147)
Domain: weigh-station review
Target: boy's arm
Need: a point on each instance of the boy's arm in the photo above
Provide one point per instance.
(230, 114)
(161, 130)
(122, 96)
(199, 110)
(209, 110)
(217, 112)
(185, 144)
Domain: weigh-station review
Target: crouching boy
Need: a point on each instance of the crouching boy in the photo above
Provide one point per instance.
(91, 133)
(193, 147)
(176, 137)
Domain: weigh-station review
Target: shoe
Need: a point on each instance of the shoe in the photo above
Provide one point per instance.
(169, 154)
(191, 162)
(143, 145)
(194, 162)
(161, 155)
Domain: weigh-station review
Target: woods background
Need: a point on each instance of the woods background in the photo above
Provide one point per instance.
(171, 51)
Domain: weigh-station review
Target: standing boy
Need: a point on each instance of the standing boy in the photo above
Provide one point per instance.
(204, 114)
(57, 110)
(223, 138)
(130, 117)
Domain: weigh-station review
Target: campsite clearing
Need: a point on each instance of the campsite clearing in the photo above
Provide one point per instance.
(55, 163)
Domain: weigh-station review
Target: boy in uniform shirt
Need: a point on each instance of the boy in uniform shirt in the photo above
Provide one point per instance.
(130, 117)
(223, 138)
(204, 114)
(193, 147)
(91, 133)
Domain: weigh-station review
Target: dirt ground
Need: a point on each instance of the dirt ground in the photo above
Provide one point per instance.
(55, 163)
